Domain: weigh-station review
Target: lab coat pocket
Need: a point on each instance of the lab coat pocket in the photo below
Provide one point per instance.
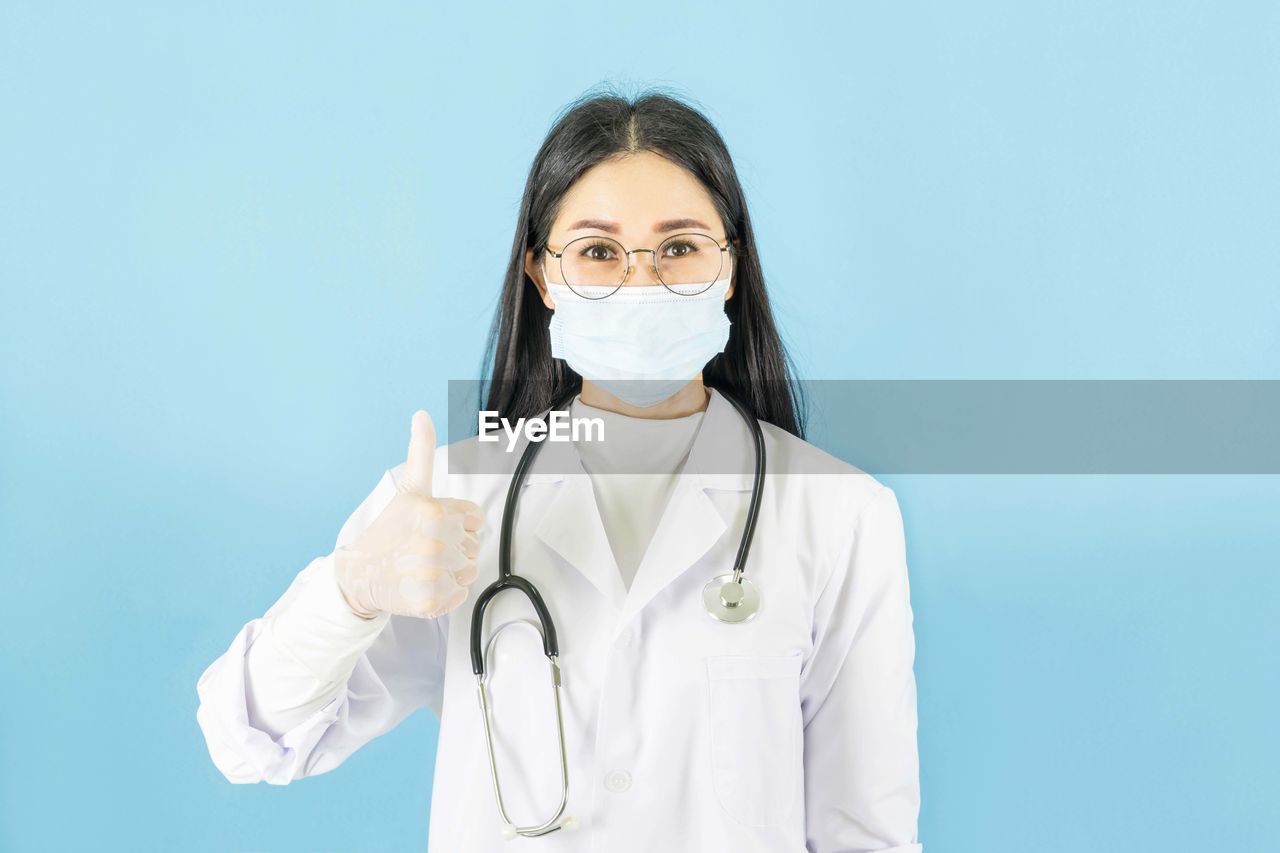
(756, 735)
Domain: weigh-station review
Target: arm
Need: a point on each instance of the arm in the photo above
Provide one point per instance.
(305, 685)
(862, 778)
(307, 651)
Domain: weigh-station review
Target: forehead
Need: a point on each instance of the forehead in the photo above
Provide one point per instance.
(637, 191)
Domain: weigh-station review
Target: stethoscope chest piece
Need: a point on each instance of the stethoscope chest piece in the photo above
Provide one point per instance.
(730, 600)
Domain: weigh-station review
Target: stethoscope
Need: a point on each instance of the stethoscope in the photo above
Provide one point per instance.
(729, 598)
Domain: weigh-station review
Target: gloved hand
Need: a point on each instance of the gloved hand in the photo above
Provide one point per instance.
(419, 555)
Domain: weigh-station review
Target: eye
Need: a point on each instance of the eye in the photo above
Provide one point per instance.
(598, 250)
(680, 248)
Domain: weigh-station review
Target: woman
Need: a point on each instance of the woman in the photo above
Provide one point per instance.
(634, 291)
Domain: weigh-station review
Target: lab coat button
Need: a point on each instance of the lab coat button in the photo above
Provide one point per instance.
(625, 637)
(617, 781)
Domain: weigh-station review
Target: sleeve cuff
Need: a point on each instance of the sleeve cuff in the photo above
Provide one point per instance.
(244, 753)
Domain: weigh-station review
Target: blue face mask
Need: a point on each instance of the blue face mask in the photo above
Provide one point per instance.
(641, 344)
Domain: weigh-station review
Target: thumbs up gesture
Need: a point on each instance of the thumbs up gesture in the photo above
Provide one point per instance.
(419, 555)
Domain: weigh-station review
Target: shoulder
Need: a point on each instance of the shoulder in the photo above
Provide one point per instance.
(854, 519)
(801, 467)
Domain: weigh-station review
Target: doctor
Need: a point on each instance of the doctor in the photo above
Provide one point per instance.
(634, 282)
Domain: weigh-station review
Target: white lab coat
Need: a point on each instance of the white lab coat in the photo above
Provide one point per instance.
(794, 731)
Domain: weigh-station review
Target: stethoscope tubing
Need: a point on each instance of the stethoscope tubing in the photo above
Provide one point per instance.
(757, 487)
(507, 579)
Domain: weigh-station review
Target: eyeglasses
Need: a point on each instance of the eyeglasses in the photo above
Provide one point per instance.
(596, 267)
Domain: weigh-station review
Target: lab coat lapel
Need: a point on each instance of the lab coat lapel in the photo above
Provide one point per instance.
(571, 527)
(691, 523)
(690, 526)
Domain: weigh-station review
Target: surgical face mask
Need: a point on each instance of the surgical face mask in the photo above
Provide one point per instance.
(641, 344)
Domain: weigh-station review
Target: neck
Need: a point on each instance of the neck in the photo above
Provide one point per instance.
(693, 397)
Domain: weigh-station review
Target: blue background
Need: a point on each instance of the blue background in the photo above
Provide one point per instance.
(239, 245)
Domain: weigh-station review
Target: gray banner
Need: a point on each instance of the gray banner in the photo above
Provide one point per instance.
(980, 427)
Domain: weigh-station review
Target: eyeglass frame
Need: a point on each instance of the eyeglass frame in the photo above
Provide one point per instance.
(559, 256)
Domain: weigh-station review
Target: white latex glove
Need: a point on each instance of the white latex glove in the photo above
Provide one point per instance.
(419, 555)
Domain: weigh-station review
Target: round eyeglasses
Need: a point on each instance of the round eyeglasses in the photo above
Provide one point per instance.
(596, 267)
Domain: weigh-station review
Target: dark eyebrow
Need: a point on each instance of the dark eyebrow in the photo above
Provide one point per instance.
(597, 224)
(678, 224)
(661, 227)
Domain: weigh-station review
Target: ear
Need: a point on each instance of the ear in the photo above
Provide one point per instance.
(733, 277)
(534, 271)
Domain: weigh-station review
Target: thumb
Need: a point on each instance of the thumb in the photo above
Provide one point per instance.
(422, 453)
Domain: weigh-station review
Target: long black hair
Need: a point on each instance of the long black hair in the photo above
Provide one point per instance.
(524, 380)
